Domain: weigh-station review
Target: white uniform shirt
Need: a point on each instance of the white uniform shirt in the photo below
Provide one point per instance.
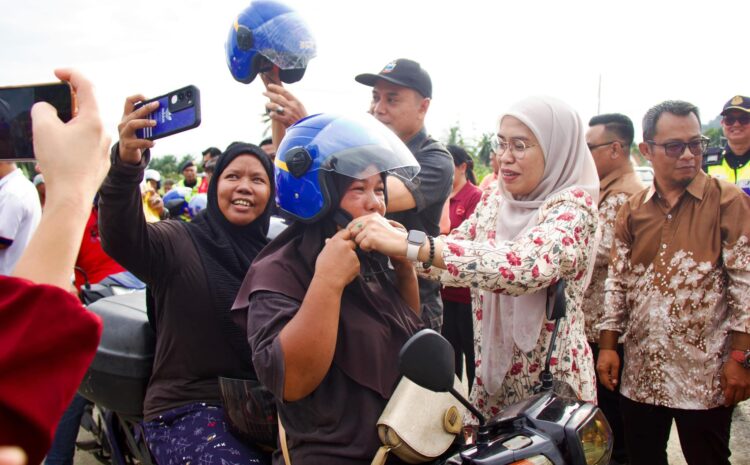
(20, 213)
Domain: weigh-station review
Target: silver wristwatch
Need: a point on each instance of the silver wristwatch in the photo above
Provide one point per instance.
(414, 241)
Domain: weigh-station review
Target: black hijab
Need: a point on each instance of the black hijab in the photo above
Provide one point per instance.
(374, 321)
(227, 250)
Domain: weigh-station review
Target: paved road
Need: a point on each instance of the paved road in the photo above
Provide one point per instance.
(739, 442)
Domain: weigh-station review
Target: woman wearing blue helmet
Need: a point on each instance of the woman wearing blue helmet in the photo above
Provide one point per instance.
(325, 321)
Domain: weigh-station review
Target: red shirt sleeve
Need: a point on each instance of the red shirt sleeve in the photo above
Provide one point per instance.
(47, 341)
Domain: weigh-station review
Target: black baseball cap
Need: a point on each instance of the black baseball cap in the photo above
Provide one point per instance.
(738, 102)
(402, 72)
(186, 165)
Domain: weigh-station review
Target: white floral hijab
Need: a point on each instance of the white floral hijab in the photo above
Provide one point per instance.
(508, 320)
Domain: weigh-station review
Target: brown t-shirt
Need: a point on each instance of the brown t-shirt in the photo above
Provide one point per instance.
(679, 282)
(337, 422)
(614, 190)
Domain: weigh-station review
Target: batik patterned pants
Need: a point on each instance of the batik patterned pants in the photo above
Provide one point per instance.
(197, 434)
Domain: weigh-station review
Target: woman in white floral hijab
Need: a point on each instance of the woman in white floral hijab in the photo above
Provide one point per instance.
(537, 227)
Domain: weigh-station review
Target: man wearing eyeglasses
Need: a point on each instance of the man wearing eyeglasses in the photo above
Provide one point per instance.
(732, 162)
(609, 138)
(677, 292)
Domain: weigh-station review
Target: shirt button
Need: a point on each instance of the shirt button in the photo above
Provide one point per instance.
(669, 217)
(664, 246)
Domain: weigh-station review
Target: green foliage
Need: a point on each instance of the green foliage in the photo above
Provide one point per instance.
(168, 165)
(715, 136)
(478, 149)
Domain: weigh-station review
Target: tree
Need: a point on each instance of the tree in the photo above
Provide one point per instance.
(168, 166)
(478, 149)
(715, 137)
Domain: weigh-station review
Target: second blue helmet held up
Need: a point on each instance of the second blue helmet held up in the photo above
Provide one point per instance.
(355, 146)
(265, 34)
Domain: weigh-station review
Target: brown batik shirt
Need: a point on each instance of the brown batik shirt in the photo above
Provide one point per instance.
(614, 191)
(678, 283)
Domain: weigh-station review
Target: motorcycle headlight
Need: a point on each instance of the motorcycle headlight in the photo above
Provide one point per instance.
(589, 436)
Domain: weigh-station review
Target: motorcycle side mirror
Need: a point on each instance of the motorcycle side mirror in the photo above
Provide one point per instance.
(427, 359)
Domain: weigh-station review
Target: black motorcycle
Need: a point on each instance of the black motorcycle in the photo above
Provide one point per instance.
(116, 381)
(553, 427)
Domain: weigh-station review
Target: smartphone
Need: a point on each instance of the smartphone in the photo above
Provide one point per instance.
(16, 143)
(178, 111)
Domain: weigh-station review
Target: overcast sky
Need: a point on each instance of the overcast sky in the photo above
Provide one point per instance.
(482, 56)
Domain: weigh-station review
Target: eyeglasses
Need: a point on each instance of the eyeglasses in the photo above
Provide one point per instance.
(729, 120)
(517, 147)
(592, 147)
(676, 149)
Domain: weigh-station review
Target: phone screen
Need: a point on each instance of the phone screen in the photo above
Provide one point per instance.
(16, 141)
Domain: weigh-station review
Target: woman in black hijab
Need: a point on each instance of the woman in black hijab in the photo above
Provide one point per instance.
(325, 321)
(193, 271)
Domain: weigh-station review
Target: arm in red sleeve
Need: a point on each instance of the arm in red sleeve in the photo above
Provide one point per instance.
(47, 341)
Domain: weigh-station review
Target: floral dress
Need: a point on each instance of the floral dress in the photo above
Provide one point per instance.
(556, 248)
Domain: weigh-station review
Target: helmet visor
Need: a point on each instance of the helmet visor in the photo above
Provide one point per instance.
(286, 41)
(362, 147)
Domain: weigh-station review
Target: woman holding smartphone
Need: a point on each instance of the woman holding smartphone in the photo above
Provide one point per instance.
(193, 271)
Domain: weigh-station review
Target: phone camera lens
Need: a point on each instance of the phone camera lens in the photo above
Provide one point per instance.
(181, 96)
(189, 93)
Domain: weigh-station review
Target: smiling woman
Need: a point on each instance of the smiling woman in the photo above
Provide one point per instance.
(193, 271)
(537, 228)
(243, 190)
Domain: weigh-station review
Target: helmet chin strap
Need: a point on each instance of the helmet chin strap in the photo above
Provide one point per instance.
(370, 263)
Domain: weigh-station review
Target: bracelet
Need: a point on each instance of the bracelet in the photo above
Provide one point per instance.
(426, 265)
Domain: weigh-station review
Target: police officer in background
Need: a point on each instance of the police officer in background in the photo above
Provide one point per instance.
(732, 163)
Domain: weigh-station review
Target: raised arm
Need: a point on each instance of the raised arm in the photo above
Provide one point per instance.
(124, 232)
(73, 157)
(557, 247)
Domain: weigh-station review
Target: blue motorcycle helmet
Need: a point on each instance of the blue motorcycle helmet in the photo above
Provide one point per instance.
(316, 146)
(176, 201)
(265, 34)
(197, 203)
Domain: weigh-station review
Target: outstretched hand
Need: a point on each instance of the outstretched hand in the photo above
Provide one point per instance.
(375, 232)
(72, 155)
(131, 148)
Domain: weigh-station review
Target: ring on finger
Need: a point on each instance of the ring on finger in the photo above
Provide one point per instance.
(280, 110)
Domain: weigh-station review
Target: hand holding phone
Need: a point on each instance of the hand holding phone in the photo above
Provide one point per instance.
(130, 147)
(178, 111)
(73, 156)
(16, 138)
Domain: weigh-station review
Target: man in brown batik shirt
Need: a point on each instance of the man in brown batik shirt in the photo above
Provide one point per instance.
(609, 138)
(678, 291)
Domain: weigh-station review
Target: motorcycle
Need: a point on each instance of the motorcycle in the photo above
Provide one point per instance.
(116, 381)
(553, 427)
(117, 378)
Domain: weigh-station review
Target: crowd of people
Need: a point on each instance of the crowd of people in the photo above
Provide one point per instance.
(390, 232)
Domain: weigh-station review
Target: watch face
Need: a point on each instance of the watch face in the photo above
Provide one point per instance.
(416, 237)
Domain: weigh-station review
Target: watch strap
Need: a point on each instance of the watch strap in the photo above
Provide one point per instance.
(412, 251)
